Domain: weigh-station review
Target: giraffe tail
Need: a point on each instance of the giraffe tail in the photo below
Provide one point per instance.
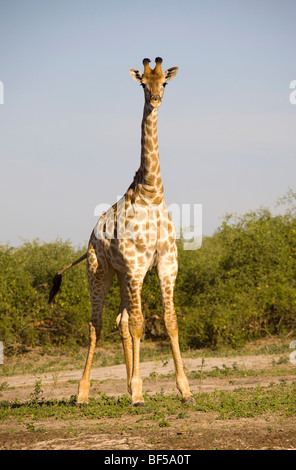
(57, 280)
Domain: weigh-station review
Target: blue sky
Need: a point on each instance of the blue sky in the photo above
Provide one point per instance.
(70, 122)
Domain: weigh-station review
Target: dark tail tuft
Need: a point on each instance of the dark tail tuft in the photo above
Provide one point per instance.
(57, 280)
(56, 284)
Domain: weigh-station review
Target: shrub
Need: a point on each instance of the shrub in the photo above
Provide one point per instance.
(241, 284)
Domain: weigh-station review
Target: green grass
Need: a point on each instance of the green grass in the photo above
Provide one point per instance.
(275, 399)
(234, 371)
(241, 403)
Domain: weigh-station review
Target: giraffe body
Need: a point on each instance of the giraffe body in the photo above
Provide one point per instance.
(133, 236)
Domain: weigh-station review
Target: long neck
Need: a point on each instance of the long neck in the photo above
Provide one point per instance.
(150, 170)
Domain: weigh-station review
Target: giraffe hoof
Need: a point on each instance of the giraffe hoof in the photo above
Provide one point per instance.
(138, 403)
(82, 398)
(189, 400)
(81, 401)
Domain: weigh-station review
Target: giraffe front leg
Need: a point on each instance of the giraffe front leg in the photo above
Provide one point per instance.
(136, 322)
(136, 381)
(181, 379)
(167, 287)
(123, 327)
(127, 344)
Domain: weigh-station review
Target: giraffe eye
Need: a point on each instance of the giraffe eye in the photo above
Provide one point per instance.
(164, 85)
(143, 85)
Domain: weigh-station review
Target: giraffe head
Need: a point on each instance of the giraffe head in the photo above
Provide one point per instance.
(153, 80)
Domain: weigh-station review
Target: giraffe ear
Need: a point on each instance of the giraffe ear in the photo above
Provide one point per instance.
(136, 75)
(170, 73)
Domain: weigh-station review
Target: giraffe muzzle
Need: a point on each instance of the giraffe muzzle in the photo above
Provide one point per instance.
(155, 101)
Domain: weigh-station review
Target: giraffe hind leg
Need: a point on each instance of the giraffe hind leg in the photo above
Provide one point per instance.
(123, 327)
(84, 384)
(99, 287)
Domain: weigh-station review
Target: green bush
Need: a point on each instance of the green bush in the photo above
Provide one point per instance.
(242, 282)
(240, 285)
(26, 318)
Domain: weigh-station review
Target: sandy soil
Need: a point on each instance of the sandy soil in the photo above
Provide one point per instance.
(198, 431)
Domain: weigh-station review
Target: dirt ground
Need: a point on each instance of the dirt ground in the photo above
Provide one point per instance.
(198, 431)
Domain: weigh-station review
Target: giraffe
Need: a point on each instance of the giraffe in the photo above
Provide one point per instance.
(135, 235)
